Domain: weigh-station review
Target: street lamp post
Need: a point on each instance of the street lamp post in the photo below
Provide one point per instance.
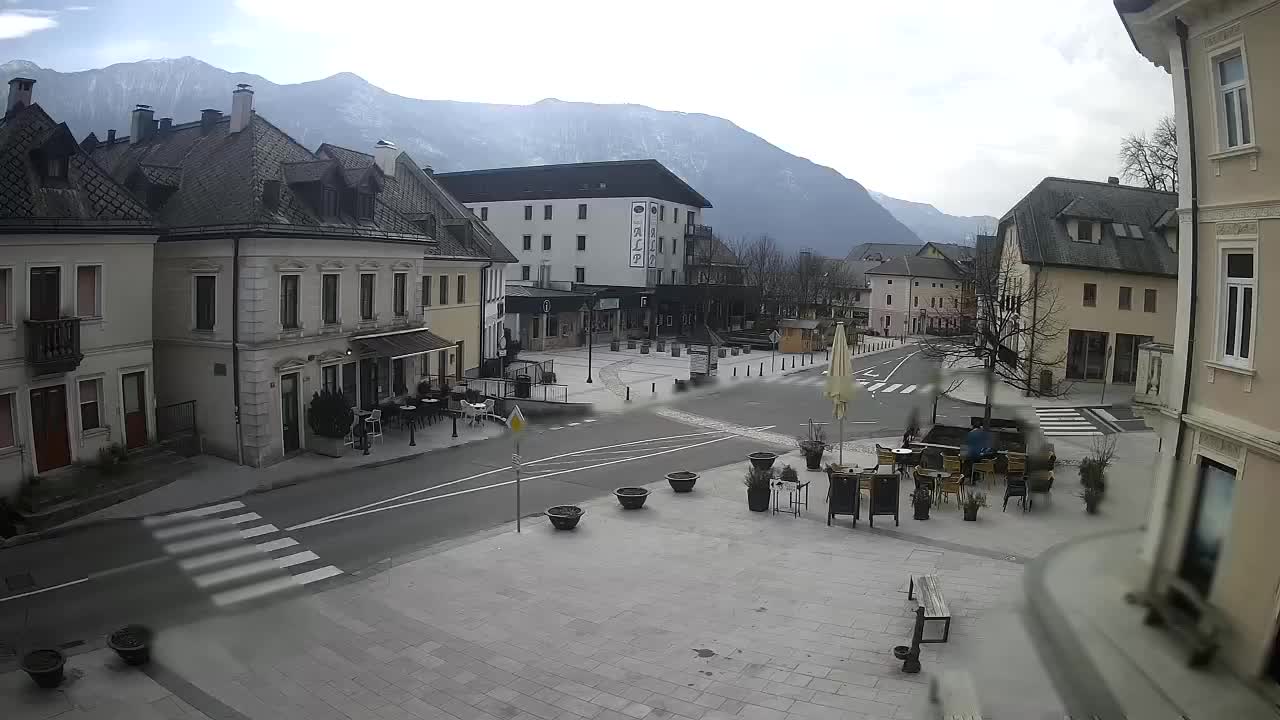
(591, 333)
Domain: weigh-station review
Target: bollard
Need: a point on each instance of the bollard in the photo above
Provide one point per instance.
(748, 371)
(628, 393)
(411, 442)
(761, 369)
(735, 371)
(653, 387)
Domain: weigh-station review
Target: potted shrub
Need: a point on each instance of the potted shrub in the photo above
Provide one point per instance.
(662, 346)
(921, 501)
(631, 498)
(722, 352)
(565, 517)
(746, 349)
(682, 480)
(631, 344)
(762, 460)
(1092, 497)
(813, 445)
(112, 459)
(644, 347)
(971, 502)
(735, 350)
(44, 667)
(329, 417)
(757, 481)
(789, 475)
(675, 350)
(614, 345)
(132, 643)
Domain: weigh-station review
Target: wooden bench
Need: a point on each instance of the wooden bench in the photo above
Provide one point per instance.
(1193, 621)
(935, 607)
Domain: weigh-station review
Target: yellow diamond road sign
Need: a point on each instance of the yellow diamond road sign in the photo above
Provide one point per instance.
(516, 420)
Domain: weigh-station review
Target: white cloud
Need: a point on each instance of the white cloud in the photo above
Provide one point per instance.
(78, 8)
(21, 24)
(963, 105)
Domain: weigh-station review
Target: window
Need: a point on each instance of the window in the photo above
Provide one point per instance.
(931, 302)
(673, 245)
(329, 298)
(426, 291)
(580, 274)
(1149, 300)
(1090, 295)
(399, 282)
(484, 214)
(661, 242)
(662, 213)
(364, 206)
(546, 212)
(546, 241)
(349, 382)
(1126, 298)
(1236, 302)
(462, 288)
(206, 286)
(582, 211)
(528, 242)
(675, 215)
(89, 291)
(90, 416)
(397, 377)
(6, 283)
(329, 378)
(528, 212)
(888, 300)
(916, 301)
(673, 277)
(7, 440)
(1233, 101)
(289, 302)
(366, 296)
(525, 272)
(1084, 231)
(444, 289)
(56, 168)
(582, 242)
(329, 201)
(890, 282)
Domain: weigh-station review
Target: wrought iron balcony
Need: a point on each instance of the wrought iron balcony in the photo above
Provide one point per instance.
(697, 231)
(53, 346)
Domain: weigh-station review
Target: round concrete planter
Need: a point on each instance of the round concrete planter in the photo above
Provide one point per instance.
(682, 481)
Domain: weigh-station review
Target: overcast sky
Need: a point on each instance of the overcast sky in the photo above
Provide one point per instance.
(965, 105)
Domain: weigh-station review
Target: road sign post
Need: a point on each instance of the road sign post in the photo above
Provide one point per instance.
(516, 422)
(774, 337)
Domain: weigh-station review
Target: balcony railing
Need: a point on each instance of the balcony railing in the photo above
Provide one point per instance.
(697, 231)
(53, 346)
(1155, 375)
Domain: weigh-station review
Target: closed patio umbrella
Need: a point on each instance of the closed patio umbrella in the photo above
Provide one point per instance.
(840, 386)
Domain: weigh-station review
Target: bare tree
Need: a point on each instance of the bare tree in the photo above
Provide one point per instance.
(1014, 318)
(1152, 161)
(764, 267)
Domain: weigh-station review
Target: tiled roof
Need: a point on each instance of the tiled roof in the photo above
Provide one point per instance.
(952, 251)
(912, 266)
(89, 198)
(618, 178)
(1042, 230)
(165, 175)
(881, 251)
(540, 292)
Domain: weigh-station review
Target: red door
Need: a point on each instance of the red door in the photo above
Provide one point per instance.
(134, 386)
(49, 428)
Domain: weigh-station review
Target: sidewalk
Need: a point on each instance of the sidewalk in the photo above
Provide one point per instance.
(973, 389)
(652, 377)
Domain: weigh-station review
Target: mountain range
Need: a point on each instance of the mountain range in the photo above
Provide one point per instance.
(932, 225)
(755, 187)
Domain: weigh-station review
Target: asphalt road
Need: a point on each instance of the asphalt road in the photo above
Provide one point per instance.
(76, 587)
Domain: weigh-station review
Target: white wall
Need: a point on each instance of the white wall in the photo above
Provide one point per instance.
(608, 230)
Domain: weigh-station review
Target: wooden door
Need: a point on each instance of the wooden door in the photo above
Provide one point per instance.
(49, 428)
(134, 388)
(46, 293)
(289, 412)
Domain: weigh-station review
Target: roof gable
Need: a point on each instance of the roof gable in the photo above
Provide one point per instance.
(619, 178)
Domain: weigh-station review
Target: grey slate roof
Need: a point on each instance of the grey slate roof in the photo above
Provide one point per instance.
(90, 197)
(952, 251)
(913, 266)
(881, 251)
(856, 271)
(615, 178)
(1042, 230)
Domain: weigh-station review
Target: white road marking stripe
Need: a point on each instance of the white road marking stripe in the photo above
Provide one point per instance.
(311, 576)
(574, 424)
(258, 531)
(908, 389)
(864, 383)
(926, 388)
(235, 553)
(236, 572)
(893, 388)
(1066, 425)
(289, 561)
(208, 541)
(589, 420)
(875, 387)
(257, 590)
(1058, 412)
(1072, 434)
(203, 525)
(44, 590)
(154, 520)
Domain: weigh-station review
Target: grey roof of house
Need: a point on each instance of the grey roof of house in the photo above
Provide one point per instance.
(881, 251)
(912, 266)
(1042, 231)
(985, 246)
(90, 197)
(540, 292)
(803, 324)
(952, 251)
(615, 178)
(856, 271)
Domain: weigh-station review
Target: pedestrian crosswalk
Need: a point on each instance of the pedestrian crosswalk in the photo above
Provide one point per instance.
(1065, 422)
(232, 555)
(806, 379)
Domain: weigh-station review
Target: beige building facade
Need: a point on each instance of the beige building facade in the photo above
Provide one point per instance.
(1208, 392)
(916, 295)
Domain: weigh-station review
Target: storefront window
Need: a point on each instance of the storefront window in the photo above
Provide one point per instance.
(1209, 524)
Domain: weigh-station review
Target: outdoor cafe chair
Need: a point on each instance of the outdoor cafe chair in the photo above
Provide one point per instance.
(373, 424)
(1015, 480)
(987, 469)
(885, 456)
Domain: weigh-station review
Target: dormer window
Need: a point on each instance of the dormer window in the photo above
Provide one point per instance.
(56, 168)
(364, 206)
(329, 201)
(1084, 231)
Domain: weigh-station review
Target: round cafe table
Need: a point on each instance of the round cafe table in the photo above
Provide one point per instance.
(901, 455)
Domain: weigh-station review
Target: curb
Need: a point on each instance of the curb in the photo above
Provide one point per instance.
(1082, 689)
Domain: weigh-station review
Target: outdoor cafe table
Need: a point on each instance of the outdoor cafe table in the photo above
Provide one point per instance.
(902, 455)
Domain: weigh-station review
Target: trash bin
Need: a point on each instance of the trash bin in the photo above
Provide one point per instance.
(524, 386)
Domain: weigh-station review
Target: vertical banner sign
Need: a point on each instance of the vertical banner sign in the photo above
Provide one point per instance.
(639, 235)
(653, 235)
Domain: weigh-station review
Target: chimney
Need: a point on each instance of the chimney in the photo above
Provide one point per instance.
(384, 156)
(111, 135)
(428, 170)
(166, 124)
(241, 107)
(19, 95)
(208, 118)
(140, 124)
(1113, 180)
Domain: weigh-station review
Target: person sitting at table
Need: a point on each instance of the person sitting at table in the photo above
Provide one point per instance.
(913, 429)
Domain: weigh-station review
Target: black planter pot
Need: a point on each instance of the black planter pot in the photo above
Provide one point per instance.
(971, 515)
(132, 643)
(746, 349)
(662, 346)
(44, 667)
(812, 455)
(631, 344)
(735, 350)
(758, 499)
(614, 345)
(631, 498)
(762, 460)
(675, 351)
(682, 481)
(565, 517)
(921, 512)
